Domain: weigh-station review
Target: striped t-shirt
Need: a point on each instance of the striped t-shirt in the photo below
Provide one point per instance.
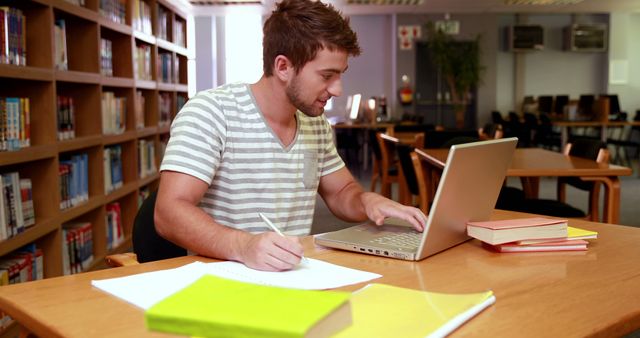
(221, 137)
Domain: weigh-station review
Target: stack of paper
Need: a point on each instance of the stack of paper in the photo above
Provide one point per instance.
(530, 234)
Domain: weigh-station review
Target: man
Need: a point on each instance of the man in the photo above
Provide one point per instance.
(240, 149)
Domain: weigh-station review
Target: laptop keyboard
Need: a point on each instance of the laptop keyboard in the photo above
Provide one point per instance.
(409, 239)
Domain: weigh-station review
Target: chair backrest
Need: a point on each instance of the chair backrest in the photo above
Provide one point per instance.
(585, 104)
(491, 131)
(422, 183)
(545, 103)
(418, 128)
(496, 117)
(387, 146)
(588, 148)
(406, 165)
(147, 244)
(560, 102)
(375, 146)
(437, 139)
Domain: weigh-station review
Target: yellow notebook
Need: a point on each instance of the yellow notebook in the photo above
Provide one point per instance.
(387, 311)
(218, 307)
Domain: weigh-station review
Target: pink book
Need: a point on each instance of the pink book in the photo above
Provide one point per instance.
(566, 245)
(511, 230)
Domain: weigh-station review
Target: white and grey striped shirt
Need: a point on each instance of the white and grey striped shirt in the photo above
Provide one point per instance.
(220, 136)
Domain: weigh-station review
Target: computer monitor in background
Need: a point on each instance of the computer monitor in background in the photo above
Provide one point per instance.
(561, 102)
(585, 105)
(353, 106)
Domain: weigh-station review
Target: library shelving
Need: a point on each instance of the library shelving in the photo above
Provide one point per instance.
(69, 105)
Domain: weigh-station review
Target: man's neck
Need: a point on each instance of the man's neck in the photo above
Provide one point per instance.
(276, 108)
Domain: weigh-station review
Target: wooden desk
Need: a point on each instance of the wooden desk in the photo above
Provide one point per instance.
(532, 163)
(603, 125)
(574, 294)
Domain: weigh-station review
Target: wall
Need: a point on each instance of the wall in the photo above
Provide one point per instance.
(624, 45)
(555, 71)
(205, 48)
(369, 73)
(470, 26)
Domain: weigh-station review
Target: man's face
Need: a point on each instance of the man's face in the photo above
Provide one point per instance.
(317, 81)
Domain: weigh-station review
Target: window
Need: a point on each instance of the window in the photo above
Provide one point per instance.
(243, 47)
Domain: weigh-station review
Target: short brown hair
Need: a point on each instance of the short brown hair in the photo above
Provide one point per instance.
(298, 29)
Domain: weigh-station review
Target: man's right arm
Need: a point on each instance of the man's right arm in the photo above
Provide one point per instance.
(179, 219)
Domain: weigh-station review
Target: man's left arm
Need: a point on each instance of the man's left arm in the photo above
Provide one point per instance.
(347, 201)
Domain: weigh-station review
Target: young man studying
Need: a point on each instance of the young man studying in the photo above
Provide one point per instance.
(243, 149)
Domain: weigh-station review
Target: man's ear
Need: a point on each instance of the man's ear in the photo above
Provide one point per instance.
(283, 68)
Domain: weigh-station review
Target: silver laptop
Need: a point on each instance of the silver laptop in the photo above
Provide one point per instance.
(468, 191)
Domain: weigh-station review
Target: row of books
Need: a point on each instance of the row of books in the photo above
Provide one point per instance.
(114, 10)
(146, 158)
(165, 71)
(179, 33)
(16, 205)
(112, 161)
(22, 265)
(142, 62)
(77, 247)
(74, 180)
(66, 114)
(138, 110)
(106, 57)
(15, 123)
(165, 109)
(530, 235)
(60, 48)
(114, 229)
(13, 36)
(163, 23)
(114, 112)
(141, 20)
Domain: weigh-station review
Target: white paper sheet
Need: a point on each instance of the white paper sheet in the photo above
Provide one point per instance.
(146, 289)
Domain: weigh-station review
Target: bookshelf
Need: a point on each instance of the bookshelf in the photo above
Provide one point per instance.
(159, 26)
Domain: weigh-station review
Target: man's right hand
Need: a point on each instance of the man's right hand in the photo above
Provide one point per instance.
(269, 251)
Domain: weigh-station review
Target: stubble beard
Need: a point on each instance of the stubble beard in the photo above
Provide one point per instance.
(293, 94)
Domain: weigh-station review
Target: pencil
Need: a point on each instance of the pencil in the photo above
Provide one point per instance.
(276, 230)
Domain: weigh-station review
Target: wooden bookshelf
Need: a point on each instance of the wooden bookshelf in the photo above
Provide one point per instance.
(42, 83)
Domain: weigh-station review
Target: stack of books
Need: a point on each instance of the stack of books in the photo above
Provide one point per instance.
(530, 234)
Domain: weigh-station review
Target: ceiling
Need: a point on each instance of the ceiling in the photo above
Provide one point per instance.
(204, 7)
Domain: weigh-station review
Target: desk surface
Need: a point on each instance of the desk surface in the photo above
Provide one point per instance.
(572, 294)
(541, 162)
(595, 123)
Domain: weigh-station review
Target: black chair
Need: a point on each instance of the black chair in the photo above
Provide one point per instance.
(529, 129)
(546, 137)
(545, 104)
(590, 149)
(438, 138)
(585, 106)
(561, 101)
(627, 141)
(147, 244)
(408, 172)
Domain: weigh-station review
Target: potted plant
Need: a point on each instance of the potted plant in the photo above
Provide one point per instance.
(459, 62)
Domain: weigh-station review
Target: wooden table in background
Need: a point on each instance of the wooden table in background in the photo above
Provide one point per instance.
(552, 294)
(532, 163)
(603, 125)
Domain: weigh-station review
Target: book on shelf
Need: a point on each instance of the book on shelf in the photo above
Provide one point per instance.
(572, 233)
(228, 308)
(114, 230)
(79, 244)
(13, 40)
(142, 17)
(26, 193)
(15, 123)
(114, 112)
(381, 310)
(66, 118)
(139, 110)
(13, 221)
(511, 230)
(563, 245)
(60, 34)
(106, 57)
